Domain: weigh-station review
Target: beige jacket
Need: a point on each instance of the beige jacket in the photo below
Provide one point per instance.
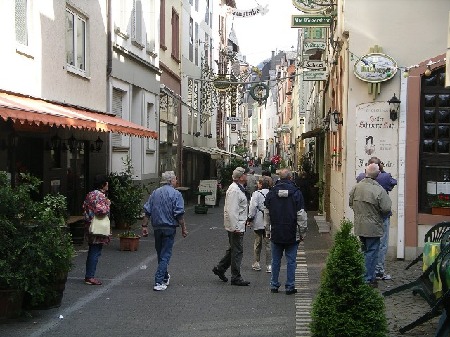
(235, 209)
(371, 204)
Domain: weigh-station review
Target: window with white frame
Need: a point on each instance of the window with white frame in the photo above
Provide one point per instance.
(75, 41)
(21, 21)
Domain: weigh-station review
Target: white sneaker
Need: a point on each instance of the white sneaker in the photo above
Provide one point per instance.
(159, 287)
(269, 269)
(167, 282)
(256, 266)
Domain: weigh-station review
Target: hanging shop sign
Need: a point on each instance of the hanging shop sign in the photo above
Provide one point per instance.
(312, 6)
(314, 65)
(312, 47)
(221, 83)
(259, 92)
(315, 75)
(310, 21)
(239, 13)
(232, 120)
(375, 67)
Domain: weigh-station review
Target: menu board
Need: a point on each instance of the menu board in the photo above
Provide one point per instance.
(208, 186)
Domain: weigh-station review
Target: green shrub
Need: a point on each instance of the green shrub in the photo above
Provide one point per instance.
(345, 305)
(227, 170)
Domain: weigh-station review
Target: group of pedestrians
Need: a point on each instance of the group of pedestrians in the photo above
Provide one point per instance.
(276, 214)
(371, 205)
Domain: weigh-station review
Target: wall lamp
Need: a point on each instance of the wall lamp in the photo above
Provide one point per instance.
(394, 106)
(197, 134)
(98, 145)
(337, 120)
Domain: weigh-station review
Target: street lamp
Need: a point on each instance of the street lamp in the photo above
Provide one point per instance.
(393, 110)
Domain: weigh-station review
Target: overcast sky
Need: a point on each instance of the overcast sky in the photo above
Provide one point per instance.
(258, 35)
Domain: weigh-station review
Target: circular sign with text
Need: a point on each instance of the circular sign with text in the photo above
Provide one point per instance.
(312, 6)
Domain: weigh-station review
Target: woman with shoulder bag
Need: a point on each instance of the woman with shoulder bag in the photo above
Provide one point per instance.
(96, 204)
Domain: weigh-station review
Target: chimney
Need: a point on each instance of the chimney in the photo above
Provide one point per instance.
(273, 53)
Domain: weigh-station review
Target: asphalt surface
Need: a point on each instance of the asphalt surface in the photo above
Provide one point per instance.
(196, 302)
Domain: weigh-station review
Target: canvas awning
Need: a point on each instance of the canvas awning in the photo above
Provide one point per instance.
(34, 111)
(313, 133)
(214, 152)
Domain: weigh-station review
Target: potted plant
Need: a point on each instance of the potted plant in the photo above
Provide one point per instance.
(126, 204)
(36, 250)
(440, 204)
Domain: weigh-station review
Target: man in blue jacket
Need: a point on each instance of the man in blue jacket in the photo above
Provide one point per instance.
(287, 228)
(165, 208)
(388, 183)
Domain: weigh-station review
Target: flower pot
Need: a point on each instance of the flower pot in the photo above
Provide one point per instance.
(129, 244)
(53, 300)
(77, 231)
(10, 303)
(440, 211)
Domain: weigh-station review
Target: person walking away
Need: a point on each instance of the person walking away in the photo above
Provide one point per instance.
(288, 227)
(235, 218)
(256, 218)
(95, 203)
(251, 185)
(388, 183)
(370, 203)
(165, 209)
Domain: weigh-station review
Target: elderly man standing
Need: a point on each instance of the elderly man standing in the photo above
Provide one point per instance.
(165, 208)
(288, 225)
(235, 218)
(371, 204)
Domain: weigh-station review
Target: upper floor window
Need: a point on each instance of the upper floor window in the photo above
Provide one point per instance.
(175, 35)
(21, 21)
(136, 24)
(162, 24)
(75, 41)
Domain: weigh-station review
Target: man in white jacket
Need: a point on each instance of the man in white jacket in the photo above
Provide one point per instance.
(235, 218)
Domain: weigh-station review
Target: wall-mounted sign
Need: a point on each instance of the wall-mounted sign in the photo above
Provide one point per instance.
(375, 67)
(310, 21)
(314, 64)
(315, 75)
(312, 47)
(312, 6)
(232, 120)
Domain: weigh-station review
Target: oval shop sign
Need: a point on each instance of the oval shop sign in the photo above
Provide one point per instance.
(375, 67)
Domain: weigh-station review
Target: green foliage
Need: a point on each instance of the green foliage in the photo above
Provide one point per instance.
(35, 249)
(345, 305)
(128, 234)
(126, 196)
(227, 170)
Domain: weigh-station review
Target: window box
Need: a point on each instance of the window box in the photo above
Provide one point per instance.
(440, 211)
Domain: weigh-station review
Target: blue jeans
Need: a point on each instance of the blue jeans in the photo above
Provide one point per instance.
(291, 263)
(94, 252)
(379, 269)
(164, 240)
(370, 247)
(233, 256)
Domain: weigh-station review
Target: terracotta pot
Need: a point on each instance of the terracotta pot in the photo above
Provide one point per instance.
(53, 300)
(130, 244)
(440, 211)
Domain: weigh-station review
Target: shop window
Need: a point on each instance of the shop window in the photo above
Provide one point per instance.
(434, 171)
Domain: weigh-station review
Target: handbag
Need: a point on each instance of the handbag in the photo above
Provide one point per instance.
(100, 226)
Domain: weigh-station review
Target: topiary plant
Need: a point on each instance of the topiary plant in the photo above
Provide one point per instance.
(345, 304)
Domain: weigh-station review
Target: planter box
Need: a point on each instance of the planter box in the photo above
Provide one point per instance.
(10, 303)
(440, 211)
(130, 244)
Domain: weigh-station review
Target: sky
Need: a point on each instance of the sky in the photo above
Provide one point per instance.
(260, 34)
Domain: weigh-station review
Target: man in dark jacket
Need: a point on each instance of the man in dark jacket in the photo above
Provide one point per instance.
(287, 228)
(388, 183)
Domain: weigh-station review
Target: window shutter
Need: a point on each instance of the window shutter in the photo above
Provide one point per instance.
(21, 22)
(117, 106)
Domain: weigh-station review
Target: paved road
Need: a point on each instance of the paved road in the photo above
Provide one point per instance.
(197, 303)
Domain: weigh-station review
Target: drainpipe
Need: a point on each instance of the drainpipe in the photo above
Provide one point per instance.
(108, 77)
(401, 168)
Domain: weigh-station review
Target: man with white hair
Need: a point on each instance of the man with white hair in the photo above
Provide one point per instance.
(165, 208)
(370, 203)
(235, 218)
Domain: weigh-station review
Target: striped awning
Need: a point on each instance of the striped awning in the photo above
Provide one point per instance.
(35, 111)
